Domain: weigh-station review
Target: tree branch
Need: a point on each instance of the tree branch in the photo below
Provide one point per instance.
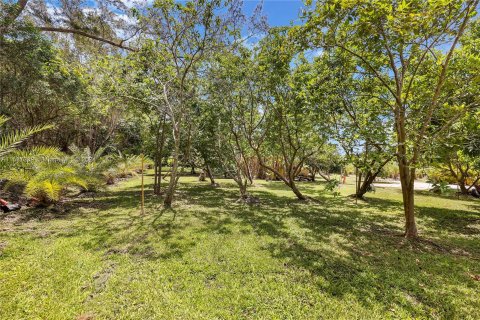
(87, 35)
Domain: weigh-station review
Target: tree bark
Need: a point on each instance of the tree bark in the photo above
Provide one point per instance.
(159, 144)
(242, 188)
(326, 178)
(295, 190)
(365, 186)
(407, 178)
(473, 184)
(210, 175)
(463, 187)
(407, 175)
(172, 184)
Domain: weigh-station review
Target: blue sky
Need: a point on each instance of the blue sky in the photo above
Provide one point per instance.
(278, 12)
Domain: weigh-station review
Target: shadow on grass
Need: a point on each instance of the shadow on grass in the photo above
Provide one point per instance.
(345, 250)
(355, 254)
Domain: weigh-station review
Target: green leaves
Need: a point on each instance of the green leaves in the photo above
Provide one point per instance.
(11, 140)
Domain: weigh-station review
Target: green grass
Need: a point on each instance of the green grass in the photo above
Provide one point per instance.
(213, 258)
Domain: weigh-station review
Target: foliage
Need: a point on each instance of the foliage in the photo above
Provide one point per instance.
(333, 186)
(440, 187)
(96, 168)
(128, 164)
(9, 141)
(46, 178)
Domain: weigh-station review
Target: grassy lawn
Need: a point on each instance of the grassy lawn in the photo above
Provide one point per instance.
(213, 258)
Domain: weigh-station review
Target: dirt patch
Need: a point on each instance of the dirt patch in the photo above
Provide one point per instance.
(3, 245)
(86, 316)
(475, 277)
(100, 280)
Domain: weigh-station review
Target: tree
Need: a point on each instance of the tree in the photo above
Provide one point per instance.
(291, 128)
(98, 20)
(228, 105)
(362, 124)
(182, 35)
(453, 156)
(402, 45)
(36, 85)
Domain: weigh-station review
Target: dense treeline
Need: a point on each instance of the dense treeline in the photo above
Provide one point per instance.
(87, 90)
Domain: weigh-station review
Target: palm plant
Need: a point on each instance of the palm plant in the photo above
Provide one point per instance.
(45, 176)
(52, 179)
(9, 141)
(95, 167)
(128, 165)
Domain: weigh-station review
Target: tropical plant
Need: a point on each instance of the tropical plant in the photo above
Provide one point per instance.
(96, 168)
(129, 165)
(10, 140)
(46, 176)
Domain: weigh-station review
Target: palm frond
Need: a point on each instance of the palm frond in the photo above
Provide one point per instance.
(11, 140)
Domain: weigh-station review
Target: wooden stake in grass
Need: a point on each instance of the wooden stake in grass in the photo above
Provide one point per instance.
(356, 185)
(143, 191)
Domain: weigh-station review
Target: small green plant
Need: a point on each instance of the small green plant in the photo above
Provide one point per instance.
(95, 167)
(440, 187)
(332, 186)
(47, 177)
(129, 165)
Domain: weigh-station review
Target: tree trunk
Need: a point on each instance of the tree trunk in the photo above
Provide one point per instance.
(202, 175)
(313, 173)
(359, 179)
(473, 184)
(159, 144)
(156, 177)
(248, 171)
(407, 174)
(463, 187)
(326, 178)
(295, 190)
(172, 184)
(210, 175)
(261, 172)
(366, 184)
(242, 187)
(407, 178)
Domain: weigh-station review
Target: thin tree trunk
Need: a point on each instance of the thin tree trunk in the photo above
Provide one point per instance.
(248, 171)
(210, 175)
(407, 177)
(143, 189)
(172, 184)
(463, 187)
(155, 165)
(473, 184)
(326, 178)
(365, 185)
(359, 179)
(242, 188)
(295, 190)
(158, 159)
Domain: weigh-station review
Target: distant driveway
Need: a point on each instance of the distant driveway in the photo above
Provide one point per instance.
(419, 185)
